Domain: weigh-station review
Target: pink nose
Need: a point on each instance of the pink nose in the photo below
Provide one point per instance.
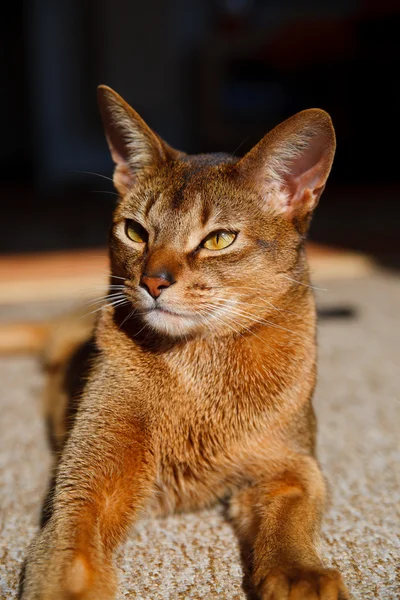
(154, 285)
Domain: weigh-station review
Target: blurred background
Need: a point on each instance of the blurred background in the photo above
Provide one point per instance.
(208, 75)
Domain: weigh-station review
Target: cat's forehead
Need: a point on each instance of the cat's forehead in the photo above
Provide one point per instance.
(200, 177)
(191, 189)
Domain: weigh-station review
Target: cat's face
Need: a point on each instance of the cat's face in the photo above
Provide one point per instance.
(205, 233)
(205, 245)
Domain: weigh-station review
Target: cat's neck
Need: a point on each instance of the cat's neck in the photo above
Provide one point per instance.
(278, 336)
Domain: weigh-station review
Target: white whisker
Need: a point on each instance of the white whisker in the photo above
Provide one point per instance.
(118, 302)
(264, 300)
(257, 320)
(245, 330)
(115, 296)
(104, 192)
(127, 318)
(313, 287)
(212, 315)
(100, 175)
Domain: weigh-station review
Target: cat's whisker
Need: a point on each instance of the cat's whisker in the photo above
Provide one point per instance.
(121, 286)
(110, 304)
(140, 331)
(109, 287)
(127, 318)
(249, 304)
(105, 288)
(113, 289)
(92, 312)
(115, 296)
(99, 175)
(105, 297)
(246, 329)
(225, 314)
(308, 285)
(104, 192)
(116, 276)
(259, 298)
(108, 274)
(253, 333)
(263, 300)
(266, 302)
(239, 146)
(257, 289)
(241, 313)
(214, 316)
(281, 310)
(262, 321)
(120, 301)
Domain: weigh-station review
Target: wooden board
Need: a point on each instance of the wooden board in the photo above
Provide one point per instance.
(53, 276)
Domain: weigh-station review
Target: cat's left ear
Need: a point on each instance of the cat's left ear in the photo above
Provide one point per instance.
(133, 145)
(291, 164)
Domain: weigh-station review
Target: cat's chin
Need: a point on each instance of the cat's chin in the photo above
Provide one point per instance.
(171, 323)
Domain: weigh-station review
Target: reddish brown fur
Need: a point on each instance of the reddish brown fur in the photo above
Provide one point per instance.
(180, 411)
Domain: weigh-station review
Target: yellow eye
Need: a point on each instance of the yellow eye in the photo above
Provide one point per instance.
(218, 240)
(136, 232)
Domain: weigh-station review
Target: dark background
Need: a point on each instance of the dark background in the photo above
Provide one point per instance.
(207, 75)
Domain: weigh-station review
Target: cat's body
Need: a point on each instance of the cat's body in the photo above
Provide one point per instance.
(202, 373)
(202, 425)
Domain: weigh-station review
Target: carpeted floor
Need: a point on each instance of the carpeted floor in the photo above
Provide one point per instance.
(195, 556)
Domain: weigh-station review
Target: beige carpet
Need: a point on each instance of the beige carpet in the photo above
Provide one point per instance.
(195, 556)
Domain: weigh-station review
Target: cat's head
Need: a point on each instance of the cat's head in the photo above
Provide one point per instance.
(210, 244)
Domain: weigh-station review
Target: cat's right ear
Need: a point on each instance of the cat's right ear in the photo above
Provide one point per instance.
(133, 145)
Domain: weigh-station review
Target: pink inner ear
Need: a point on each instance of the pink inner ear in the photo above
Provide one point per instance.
(117, 156)
(123, 178)
(307, 174)
(312, 180)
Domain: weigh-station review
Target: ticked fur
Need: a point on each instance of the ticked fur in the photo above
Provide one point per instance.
(202, 391)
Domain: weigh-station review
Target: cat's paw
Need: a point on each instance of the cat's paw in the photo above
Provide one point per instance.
(305, 584)
(66, 577)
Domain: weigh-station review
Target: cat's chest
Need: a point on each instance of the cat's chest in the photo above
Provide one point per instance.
(207, 439)
(210, 404)
(200, 448)
(214, 419)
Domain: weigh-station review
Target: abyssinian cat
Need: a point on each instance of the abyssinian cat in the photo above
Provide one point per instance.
(202, 364)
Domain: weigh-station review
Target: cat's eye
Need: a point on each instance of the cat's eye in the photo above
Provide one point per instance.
(136, 232)
(218, 240)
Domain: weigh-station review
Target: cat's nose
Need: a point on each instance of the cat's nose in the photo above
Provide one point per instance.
(155, 284)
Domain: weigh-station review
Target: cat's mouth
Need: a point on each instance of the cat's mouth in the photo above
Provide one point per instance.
(171, 321)
(162, 310)
(167, 311)
(166, 316)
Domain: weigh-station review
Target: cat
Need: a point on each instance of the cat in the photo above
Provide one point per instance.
(197, 383)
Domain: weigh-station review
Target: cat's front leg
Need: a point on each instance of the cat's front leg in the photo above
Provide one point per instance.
(105, 475)
(278, 522)
(56, 568)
